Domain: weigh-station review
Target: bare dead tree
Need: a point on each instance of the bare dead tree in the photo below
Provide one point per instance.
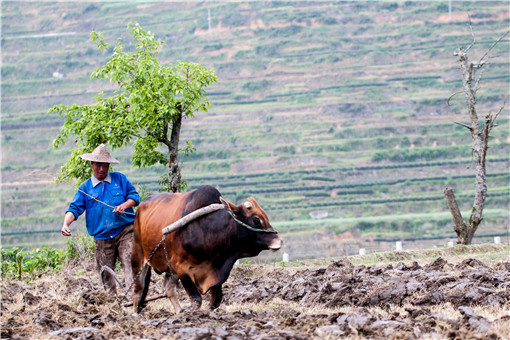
(480, 130)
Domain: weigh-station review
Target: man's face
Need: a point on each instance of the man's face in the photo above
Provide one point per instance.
(100, 170)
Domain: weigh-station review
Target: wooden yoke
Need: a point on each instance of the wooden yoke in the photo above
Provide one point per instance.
(192, 216)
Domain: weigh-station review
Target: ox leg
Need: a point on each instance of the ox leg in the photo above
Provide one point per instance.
(170, 282)
(216, 296)
(141, 288)
(192, 291)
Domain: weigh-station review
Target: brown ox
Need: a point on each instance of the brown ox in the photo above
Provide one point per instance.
(202, 253)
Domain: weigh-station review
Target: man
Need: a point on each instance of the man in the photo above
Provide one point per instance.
(108, 198)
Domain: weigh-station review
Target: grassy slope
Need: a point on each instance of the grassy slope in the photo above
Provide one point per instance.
(311, 97)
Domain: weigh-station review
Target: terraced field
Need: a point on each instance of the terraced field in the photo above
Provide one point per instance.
(337, 110)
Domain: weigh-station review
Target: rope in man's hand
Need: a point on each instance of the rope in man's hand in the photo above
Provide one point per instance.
(120, 209)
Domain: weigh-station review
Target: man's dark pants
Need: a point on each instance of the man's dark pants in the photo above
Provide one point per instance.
(107, 252)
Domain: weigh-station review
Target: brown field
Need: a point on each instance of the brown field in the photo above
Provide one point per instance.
(457, 293)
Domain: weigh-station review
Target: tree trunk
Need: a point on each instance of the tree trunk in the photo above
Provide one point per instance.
(174, 172)
(480, 139)
(464, 236)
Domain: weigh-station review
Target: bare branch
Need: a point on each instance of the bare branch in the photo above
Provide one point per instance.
(485, 140)
(493, 45)
(472, 33)
(464, 125)
(454, 210)
(493, 119)
(453, 95)
(477, 81)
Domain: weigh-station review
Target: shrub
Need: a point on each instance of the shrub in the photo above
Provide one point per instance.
(8, 70)
(235, 20)
(330, 21)
(389, 6)
(212, 47)
(15, 262)
(405, 142)
(267, 50)
(254, 86)
(442, 7)
(90, 8)
(285, 31)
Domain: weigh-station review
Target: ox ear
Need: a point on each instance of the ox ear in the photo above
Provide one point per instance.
(228, 205)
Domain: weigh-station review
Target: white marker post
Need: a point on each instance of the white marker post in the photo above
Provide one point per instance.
(497, 239)
(398, 246)
(362, 251)
(285, 257)
(450, 243)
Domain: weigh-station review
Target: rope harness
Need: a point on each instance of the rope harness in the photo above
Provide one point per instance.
(249, 226)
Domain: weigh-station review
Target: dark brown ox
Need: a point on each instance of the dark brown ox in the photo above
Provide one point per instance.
(202, 253)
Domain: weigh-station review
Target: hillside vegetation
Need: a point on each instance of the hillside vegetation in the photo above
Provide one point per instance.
(336, 109)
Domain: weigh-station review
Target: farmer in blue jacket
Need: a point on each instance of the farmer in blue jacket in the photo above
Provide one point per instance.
(108, 198)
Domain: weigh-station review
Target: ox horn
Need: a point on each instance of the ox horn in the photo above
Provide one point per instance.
(229, 206)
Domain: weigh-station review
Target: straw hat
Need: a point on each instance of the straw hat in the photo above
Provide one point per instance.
(100, 154)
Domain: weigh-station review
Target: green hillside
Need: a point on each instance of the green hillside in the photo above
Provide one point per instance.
(332, 108)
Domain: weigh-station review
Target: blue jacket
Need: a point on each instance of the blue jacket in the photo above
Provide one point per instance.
(101, 222)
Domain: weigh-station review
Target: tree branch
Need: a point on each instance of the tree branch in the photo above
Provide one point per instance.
(184, 109)
(472, 33)
(493, 45)
(453, 95)
(477, 81)
(493, 119)
(485, 139)
(164, 136)
(454, 210)
(464, 125)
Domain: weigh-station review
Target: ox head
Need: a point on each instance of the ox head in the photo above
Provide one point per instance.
(251, 216)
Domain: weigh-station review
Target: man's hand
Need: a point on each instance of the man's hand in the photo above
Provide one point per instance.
(68, 219)
(126, 205)
(120, 209)
(65, 230)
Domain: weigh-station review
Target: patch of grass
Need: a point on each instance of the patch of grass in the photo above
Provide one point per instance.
(455, 254)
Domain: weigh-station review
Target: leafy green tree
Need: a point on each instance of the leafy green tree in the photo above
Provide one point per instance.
(147, 109)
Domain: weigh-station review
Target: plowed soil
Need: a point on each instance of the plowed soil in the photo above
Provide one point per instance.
(434, 300)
